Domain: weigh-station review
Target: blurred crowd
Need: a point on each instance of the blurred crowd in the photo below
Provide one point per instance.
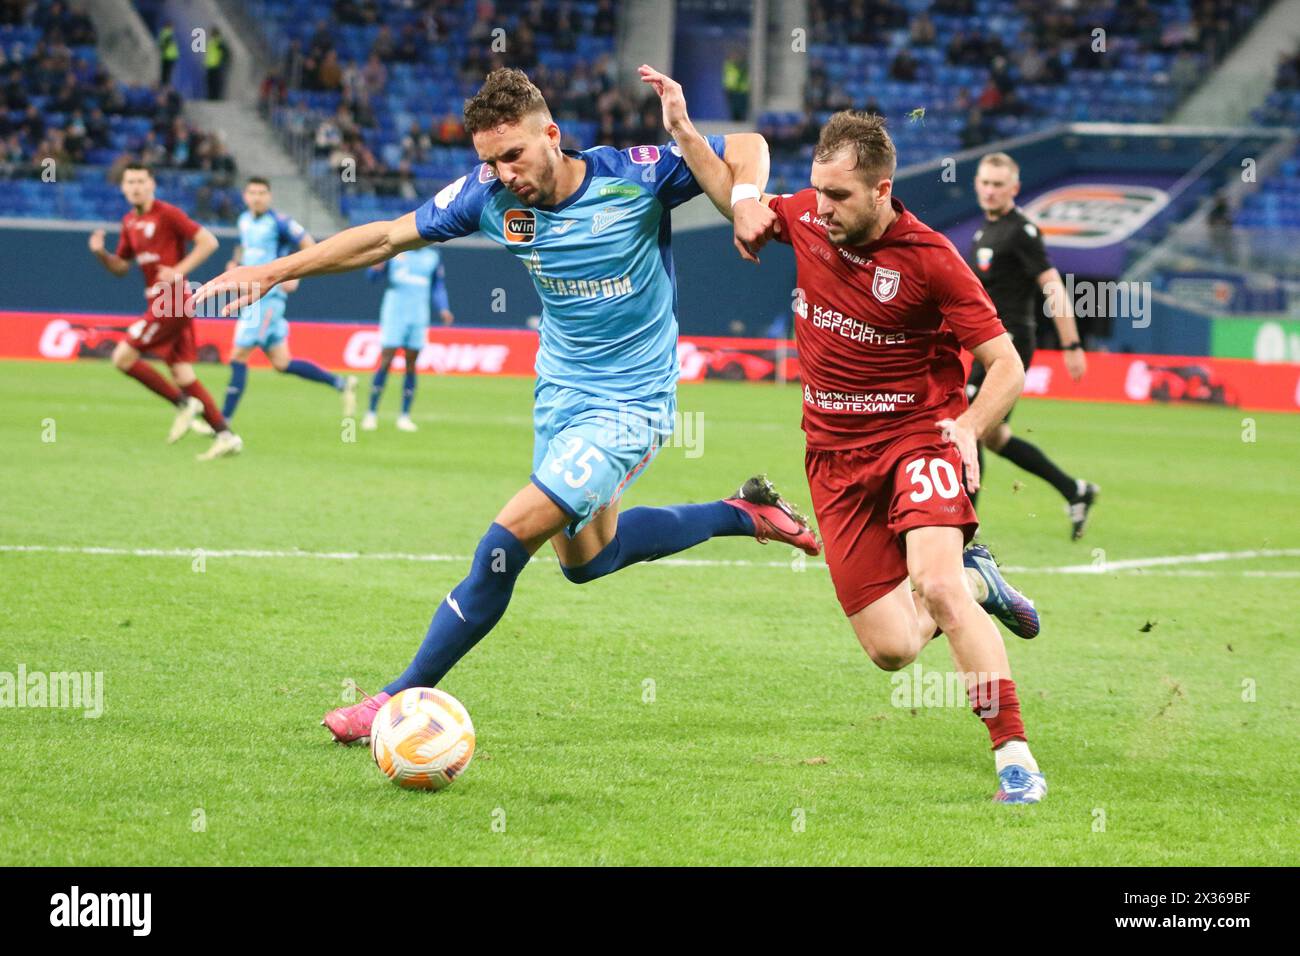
(61, 107)
(587, 93)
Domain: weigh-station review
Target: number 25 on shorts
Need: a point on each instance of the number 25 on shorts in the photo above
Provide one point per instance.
(942, 478)
(583, 463)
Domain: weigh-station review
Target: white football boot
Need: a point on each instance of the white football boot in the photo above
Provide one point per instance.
(226, 443)
(185, 415)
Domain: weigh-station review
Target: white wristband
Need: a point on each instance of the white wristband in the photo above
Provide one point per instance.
(744, 191)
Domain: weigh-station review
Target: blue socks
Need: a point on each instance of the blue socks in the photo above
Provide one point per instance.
(469, 611)
(648, 533)
(377, 386)
(476, 604)
(313, 373)
(235, 390)
(408, 390)
(300, 367)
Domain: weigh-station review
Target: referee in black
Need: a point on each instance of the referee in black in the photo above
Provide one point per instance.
(1008, 255)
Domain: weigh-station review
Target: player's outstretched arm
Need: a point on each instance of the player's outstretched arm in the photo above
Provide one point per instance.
(306, 242)
(734, 184)
(1004, 379)
(350, 249)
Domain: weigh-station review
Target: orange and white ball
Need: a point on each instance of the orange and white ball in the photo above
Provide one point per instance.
(422, 738)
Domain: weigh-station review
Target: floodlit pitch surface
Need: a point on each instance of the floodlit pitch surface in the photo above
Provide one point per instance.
(674, 713)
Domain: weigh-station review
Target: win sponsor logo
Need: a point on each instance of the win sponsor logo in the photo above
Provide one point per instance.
(519, 225)
(134, 910)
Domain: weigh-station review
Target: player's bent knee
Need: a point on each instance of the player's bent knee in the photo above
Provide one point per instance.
(580, 574)
(123, 356)
(890, 659)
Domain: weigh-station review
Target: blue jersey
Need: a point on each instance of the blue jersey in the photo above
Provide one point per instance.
(601, 263)
(266, 237)
(416, 283)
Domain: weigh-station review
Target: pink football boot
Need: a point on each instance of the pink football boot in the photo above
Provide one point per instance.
(774, 519)
(352, 724)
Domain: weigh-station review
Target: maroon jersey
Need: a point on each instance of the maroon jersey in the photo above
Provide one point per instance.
(155, 238)
(879, 327)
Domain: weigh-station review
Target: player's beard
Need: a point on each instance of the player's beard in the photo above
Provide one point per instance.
(857, 236)
(543, 190)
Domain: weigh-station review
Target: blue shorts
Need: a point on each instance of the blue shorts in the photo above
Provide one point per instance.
(588, 450)
(401, 328)
(249, 331)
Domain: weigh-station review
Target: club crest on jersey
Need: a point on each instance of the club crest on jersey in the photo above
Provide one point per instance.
(643, 155)
(884, 284)
(519, 225)
(606, 218)
(984, 258)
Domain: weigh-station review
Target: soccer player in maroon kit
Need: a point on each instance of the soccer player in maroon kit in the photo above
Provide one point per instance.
(154, 234)
(883, 307)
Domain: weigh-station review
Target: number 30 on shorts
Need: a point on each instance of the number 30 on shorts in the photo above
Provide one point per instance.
(583, 462)
(942, 478)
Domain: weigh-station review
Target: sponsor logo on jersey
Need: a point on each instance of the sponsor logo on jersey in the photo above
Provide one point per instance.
(606, 218)
(884, 284)
(1091, 215)
(675, 149)
(563, 226)
(643, 155)
(449, 192)
(984, 258)
(519, 225)
(486, 173)
(147, 226)
(624, 189)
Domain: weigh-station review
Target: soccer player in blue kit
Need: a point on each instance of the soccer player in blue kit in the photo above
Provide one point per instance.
(265, 234)
(416, 285)
(592, 228)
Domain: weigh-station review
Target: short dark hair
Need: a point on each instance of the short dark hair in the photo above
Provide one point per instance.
(136, 166)
(258, 181)
(864, 134)
(506, 96)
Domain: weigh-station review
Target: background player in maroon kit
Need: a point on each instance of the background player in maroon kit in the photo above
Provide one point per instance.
(154, 234)
(883, 306)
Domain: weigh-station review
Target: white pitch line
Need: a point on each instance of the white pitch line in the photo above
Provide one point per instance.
(1154, 566)
(1134, 564)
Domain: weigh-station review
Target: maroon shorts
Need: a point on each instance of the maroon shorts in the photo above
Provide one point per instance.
(168, 338)
(866, 498)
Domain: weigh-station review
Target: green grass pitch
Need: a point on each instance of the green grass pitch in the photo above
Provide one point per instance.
(671, 714)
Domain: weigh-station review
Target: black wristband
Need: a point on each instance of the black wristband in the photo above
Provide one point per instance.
(1073, 346)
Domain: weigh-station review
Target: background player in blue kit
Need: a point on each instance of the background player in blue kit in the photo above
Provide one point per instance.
(416, 285)
(592, 228)
(265, 234)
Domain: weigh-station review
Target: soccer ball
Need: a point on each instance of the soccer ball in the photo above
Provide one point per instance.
(422, 738)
